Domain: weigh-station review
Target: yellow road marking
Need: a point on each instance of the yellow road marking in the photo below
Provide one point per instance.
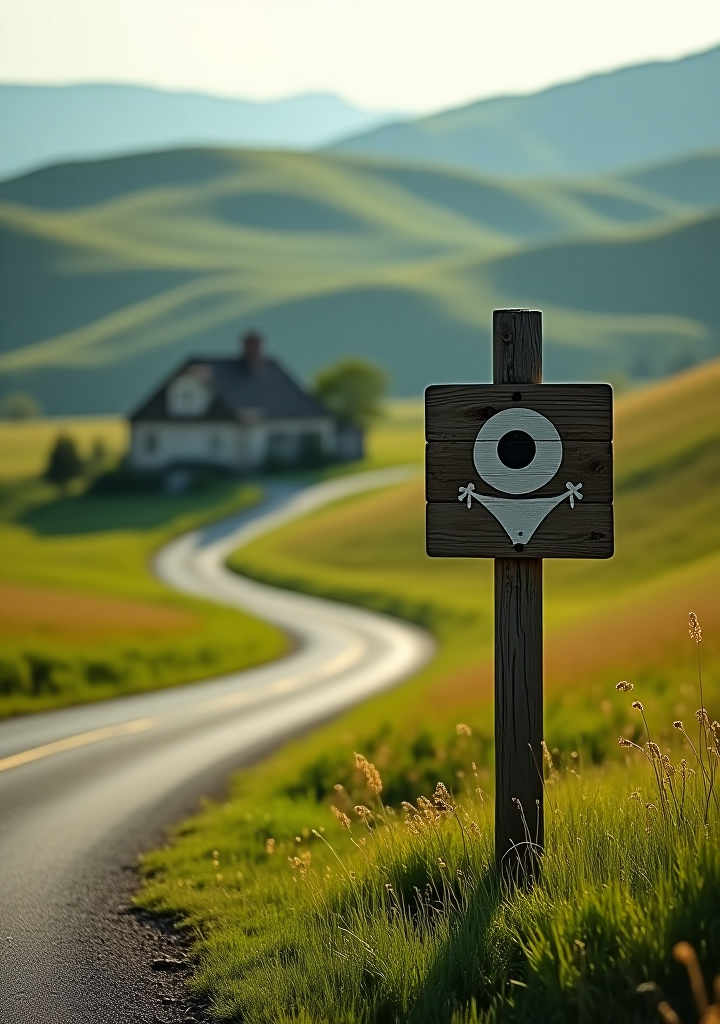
(232, 700)
(288, 683)
(83, 739)
(80, 739)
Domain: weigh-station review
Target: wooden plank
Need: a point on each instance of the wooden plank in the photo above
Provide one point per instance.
(580, 412)
(449, 464)
(519, 830)
(454, 531)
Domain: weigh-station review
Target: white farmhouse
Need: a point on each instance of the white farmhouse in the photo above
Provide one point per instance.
(240, 413)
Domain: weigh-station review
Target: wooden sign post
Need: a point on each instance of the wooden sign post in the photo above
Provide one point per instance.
(519, 471)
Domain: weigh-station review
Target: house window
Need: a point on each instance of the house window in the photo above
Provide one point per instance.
(311, 448)
(282, 447)
(150, 443)
(189, 394)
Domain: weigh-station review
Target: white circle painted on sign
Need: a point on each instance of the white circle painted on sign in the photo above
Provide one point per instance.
(524, 431)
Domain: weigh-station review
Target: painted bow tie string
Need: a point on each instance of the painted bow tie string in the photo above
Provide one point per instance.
(520, 517)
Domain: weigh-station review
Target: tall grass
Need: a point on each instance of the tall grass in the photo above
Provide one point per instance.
(350, 909)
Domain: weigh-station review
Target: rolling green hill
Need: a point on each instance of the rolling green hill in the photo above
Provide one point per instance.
(640, 114)
(114, 270)
(668, 272)
(693, 179)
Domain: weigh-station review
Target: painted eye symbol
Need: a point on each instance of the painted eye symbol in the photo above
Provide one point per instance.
(517, 451)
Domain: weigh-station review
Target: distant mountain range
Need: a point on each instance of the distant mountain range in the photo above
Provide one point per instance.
(45, 124)
(114, 270)
(641, 114)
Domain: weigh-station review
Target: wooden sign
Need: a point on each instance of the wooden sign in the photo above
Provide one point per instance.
(519, 471)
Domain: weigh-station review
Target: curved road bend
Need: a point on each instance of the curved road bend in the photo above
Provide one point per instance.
(84, 790)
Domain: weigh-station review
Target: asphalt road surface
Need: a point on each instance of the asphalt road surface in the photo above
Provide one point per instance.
(84, 790)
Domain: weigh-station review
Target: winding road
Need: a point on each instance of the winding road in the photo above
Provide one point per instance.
(84, 790)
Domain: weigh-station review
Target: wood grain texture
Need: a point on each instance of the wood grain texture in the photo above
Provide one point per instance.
(519, 829)
(448, 464)
(517, 346)
(456, 412)
(454, 531)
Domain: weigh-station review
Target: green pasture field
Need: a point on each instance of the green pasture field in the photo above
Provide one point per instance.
(396, 924)
(26, 443)
(81, 616)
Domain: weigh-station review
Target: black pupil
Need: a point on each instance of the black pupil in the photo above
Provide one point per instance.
(516, 449)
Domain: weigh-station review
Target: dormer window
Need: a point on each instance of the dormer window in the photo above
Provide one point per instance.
(190, 394)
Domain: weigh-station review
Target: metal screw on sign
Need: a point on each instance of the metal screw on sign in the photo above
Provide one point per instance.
(519, 471)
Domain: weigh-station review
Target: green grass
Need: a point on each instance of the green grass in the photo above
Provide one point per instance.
(614, 898)
(25, 444)
(124, 266)
(405, 920)
(82, 616)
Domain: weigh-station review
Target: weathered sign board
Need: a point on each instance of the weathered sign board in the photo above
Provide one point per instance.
(519, 471)
(522, 472)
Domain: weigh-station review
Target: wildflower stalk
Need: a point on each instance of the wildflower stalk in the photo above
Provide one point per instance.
(650, 750)
(695, 632)
(333, 851)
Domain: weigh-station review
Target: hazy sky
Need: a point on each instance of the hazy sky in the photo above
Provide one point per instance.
(403, 54)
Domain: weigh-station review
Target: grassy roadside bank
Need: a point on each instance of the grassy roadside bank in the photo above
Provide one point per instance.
(394, 913)
(286, 932)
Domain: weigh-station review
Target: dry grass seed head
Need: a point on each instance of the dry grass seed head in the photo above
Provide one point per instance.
(370, 774)
(427, 811)
(624, 686)
(301, 863)
(341, 816)
(694, 628)
(684, 953)
(442, 799)
(667, 1014)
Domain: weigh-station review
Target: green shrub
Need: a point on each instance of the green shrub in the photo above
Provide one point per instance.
(97, 672)
(64, 463)
(14, 676)
(44, 670)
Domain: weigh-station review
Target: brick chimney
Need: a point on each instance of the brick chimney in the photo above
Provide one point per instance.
(251, 348)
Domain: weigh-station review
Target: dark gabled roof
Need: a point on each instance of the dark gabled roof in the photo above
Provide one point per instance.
(243, 390)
